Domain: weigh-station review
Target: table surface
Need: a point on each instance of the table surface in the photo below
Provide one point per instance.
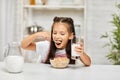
(33, 71)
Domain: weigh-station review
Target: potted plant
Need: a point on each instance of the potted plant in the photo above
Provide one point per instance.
(114, 39)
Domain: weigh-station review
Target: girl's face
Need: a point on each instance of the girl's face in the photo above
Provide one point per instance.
(61, 35)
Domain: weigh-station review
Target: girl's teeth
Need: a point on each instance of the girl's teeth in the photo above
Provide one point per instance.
(58, 41)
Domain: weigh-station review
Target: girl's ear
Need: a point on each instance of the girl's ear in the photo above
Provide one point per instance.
(71, 36)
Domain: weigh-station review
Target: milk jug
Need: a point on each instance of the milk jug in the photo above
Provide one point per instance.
(13, 58)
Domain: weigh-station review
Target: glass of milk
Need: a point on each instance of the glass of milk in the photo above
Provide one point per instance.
(73, 45)
(13, 58)
(76, 41)
(75, 55)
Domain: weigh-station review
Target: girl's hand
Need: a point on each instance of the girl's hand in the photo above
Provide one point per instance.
(44, 35)
(83, 56)
(80, 49)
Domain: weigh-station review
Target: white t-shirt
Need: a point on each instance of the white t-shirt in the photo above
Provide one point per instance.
(42, 48)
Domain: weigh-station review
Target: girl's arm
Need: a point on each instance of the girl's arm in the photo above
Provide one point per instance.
(28, 42)
(85, 59)
(83, 56)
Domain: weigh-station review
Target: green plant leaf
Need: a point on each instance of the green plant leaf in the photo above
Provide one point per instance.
(104, 35)
(114, 39)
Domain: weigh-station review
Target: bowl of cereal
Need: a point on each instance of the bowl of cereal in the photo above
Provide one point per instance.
(59, 62)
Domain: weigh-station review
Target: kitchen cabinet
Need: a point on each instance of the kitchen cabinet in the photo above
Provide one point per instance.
(43, 15)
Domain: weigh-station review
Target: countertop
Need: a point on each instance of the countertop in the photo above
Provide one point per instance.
(33, 71)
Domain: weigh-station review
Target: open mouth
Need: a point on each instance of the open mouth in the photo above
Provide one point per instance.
(58, 42)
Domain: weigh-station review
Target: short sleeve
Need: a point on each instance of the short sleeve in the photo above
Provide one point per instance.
(42, 49)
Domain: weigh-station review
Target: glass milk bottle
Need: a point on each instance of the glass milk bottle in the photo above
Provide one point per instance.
(74, 55)
(76, 42)
(13, 58)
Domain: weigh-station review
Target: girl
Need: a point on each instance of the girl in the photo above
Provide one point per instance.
(58, 43)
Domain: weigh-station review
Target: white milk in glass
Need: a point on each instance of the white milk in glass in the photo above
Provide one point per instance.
(74, 53)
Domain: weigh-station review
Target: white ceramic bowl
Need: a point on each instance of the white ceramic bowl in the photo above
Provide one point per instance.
(59, 62)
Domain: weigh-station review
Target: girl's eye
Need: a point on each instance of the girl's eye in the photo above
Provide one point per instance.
(54, 33)
(62, 33)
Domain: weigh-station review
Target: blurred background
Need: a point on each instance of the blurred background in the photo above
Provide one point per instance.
(19, 18)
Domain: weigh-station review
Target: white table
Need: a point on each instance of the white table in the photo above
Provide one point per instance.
(34, 71)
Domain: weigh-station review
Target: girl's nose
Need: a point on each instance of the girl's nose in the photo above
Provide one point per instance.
(57, 36)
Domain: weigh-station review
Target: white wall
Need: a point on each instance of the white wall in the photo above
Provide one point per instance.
(99, 16)
(10, 23)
